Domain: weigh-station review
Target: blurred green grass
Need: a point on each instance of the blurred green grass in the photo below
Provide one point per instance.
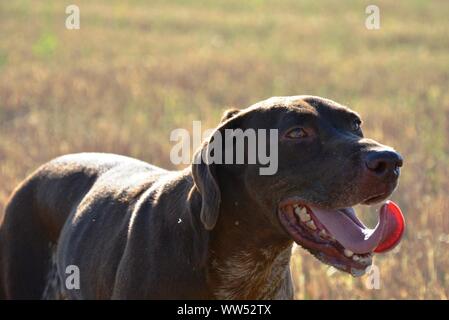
(137, 70)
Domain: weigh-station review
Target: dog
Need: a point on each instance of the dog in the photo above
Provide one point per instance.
(210, 231)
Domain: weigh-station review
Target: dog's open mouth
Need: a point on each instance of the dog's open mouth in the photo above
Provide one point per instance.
(338, 237)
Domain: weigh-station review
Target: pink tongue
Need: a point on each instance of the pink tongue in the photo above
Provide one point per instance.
(352, 234)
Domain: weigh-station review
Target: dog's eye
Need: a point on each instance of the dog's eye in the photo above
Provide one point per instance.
(297, 133)
(355, 126)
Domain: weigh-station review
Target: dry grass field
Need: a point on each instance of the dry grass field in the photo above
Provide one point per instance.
(137, 70)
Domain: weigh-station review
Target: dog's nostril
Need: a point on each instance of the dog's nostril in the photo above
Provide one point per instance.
(382, 163)
(378, 167)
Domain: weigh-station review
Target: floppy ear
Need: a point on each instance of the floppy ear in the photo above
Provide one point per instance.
(204, 177)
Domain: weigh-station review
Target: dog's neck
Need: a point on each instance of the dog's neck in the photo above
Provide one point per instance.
(252, 273)
(249, 258)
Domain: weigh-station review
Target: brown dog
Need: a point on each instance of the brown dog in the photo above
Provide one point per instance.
(212, 230)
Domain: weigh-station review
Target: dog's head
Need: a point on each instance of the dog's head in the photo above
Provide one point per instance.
(324, 166)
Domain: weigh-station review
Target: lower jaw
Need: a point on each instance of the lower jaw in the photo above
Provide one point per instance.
(374, 199)
(327, 251)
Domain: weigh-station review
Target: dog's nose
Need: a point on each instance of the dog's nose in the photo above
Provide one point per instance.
(383, 164)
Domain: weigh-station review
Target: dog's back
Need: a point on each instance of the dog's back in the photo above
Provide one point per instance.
(35, 216)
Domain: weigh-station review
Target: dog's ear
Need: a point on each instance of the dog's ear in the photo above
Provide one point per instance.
(228, 114)
(204, 177)
(206, 189)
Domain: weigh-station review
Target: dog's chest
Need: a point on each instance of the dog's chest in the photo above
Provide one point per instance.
(248, 275)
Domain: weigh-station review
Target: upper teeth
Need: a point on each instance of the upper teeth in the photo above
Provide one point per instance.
(348, 253)
(302, 214)
(323, 233)
(311, 225)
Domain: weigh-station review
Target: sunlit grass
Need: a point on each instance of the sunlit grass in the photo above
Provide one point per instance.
(137, 70)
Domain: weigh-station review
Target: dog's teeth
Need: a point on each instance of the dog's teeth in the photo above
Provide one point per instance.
(348, 253)
(311, 225)
(323, 234)
(355, 257)
(302, 214)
